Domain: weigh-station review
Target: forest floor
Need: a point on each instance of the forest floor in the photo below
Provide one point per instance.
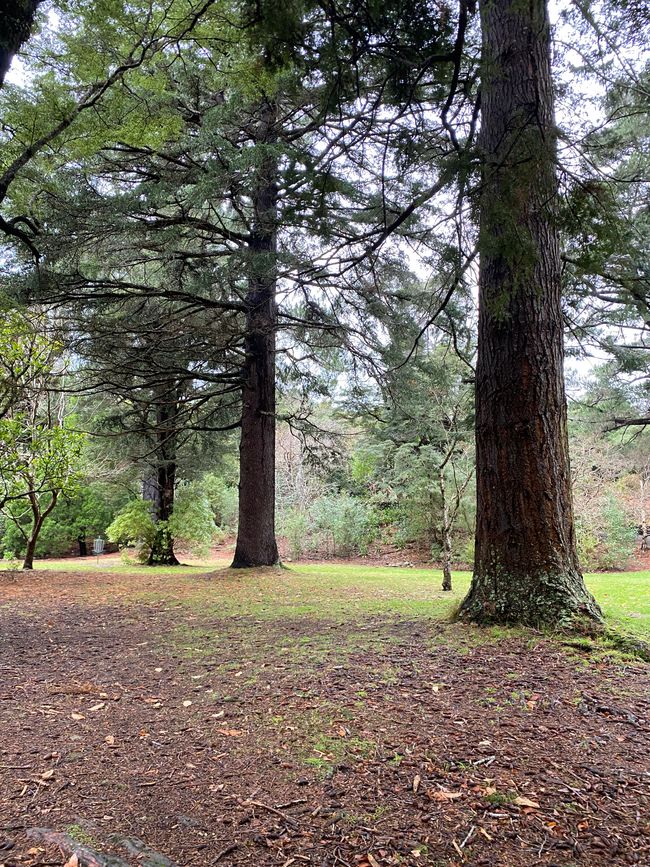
(324, 715)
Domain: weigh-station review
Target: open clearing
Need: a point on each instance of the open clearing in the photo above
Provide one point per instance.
(322, 715)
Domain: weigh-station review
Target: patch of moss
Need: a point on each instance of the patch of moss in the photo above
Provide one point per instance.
(80, 835)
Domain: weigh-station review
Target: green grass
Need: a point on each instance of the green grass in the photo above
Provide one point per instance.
(110, 564)
(344, 592)
(625, 599)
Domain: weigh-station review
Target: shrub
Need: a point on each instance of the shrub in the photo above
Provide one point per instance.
(224, 501)
(608, 542)
(350, 523)
(133, 525)
(295, 526)
(192, 522)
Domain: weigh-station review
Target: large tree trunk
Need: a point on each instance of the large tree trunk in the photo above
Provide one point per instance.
(18, 19)
(526, 569)
(256, 543)
(162, 550)
(162, 489)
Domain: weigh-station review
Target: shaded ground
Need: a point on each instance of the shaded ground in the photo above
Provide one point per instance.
(250, 720)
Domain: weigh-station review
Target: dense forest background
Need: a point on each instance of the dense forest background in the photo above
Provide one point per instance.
(351, 488)
(233, 192)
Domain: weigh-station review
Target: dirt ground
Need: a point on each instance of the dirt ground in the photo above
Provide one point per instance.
(159, 733)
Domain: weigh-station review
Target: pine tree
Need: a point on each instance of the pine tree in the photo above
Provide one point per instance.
(526, 567)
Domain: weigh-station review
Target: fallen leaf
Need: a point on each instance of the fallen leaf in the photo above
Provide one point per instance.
(187, 703)
(73, 861)
(416, 784)
(77, 716)
(47, 775)
(372, 860)
(231, 733)
(110, 740)
(98, 706)
(446, 796)
(526, 802)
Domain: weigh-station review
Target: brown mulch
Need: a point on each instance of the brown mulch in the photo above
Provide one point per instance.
(162, 735)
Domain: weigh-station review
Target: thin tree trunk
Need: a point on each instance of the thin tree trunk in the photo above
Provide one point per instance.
(37, 525)
(643, 482)
(446, 532)
(526, 569)
(28, 562)
(256, 543)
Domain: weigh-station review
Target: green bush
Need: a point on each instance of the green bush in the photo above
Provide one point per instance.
(192, 522)
(224, 501)
(610, 543)
(295, 527)
(133, 525)
(87, 514)
(348, 522)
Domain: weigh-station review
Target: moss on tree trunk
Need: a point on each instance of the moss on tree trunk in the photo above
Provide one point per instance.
(526, 568)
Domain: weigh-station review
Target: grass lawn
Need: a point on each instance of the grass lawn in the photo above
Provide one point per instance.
(348, 591)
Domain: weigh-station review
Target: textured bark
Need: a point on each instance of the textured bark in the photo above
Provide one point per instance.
(161, 492)
(17, 18)
(526, 568)
(162, 550)
(256, 543)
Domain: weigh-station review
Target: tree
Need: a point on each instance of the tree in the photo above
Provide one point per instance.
(424, 430)
(46, 112)
(40, 456)
(526, 566)
(206, 201)
(18, 19)
(256, 543)
(609, 467)
(165, 394)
